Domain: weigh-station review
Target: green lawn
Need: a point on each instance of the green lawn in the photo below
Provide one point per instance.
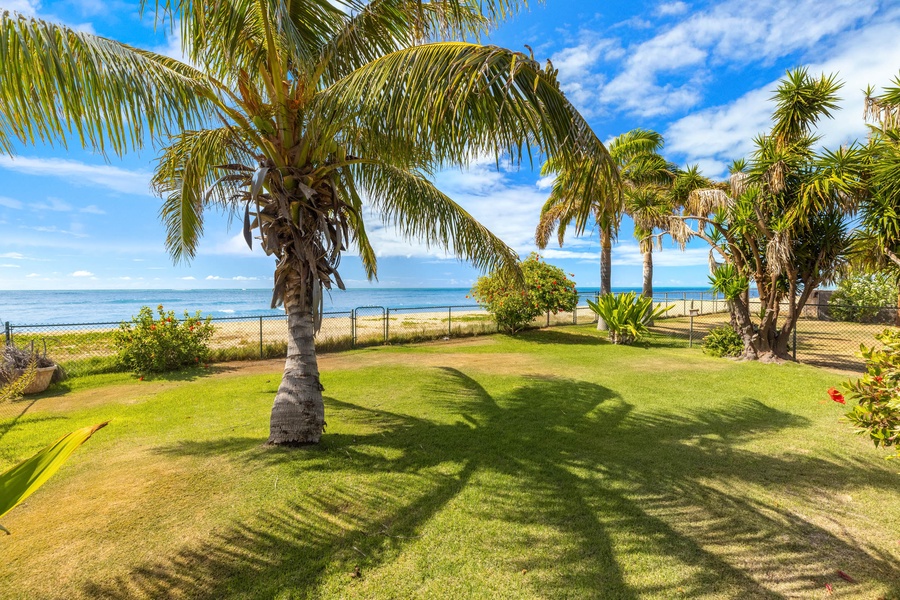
(553, 465)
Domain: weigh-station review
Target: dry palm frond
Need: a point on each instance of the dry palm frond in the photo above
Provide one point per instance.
(680, 231)
(778, 253)
(774, 177)
(708, 200)
(713, 263)
(738, 181)
(14, 382)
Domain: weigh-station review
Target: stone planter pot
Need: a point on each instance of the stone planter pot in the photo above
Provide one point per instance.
(41, 382)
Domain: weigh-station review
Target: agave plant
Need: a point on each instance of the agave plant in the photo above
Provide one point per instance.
(627, 315)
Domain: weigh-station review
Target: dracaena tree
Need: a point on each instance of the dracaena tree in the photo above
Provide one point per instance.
(780, 222)
(876, 243)
(291, 114)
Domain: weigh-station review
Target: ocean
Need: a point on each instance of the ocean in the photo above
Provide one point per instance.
(94, 306)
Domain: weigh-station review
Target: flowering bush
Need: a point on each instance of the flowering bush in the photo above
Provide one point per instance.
(154, 345)
(860, 297)
(877, 393)
(547, 289)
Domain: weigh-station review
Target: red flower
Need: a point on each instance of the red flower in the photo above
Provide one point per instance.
(153, 327)
(879, 378)
(141, 378)
(836, 395)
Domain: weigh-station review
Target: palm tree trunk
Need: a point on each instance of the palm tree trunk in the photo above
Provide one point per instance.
(647, 289)
(605, 267)
(298, 415)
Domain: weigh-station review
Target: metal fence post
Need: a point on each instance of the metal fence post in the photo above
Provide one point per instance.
(353, 328)
(796, 324)
(691, 334)
(387, 325)
(8, 335)
(449, 321)
(260, 338)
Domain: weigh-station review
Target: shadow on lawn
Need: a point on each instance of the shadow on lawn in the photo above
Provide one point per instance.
(616, 488)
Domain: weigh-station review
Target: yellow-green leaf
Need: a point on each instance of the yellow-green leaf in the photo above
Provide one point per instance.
(22, 480)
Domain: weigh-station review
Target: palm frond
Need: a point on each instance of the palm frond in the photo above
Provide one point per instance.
(199, 168)
(420, 211)
(461, 100)
(59, 84)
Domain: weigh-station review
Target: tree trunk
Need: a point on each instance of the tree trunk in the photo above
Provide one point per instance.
(605, 268)
(647, 289)
(298, 415)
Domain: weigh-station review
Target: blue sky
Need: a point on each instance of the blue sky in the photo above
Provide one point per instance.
(699, 72)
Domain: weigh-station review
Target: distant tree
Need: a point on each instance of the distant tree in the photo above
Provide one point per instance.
(547, 290)
(289, 114)
(779, 223)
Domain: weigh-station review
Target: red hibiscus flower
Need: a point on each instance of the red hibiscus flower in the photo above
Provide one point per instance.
(836, 395)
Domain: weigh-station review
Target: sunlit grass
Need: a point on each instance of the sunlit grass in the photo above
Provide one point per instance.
(552, 465)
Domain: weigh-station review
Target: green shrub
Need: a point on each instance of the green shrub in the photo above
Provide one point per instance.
(627, 315)
(877, 413)
(148, 345)
(860, 297)
(547, 289)
(723, 341)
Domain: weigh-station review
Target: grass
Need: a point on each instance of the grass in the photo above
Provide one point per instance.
(551, 465)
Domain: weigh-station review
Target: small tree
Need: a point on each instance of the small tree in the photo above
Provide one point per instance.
(780, 222)
(547, 289)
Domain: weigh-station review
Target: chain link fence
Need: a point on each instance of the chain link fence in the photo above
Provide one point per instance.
(821, 338)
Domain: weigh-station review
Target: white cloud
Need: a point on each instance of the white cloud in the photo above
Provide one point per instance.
(114, 178)
(669, 9)
(82, 274)
(16, 255)
(11, 203)
(93, 209)
(189, 278)
(73, 231)
(242, 278)
(10, 266)
(53, 204)
(669, 72)
(629, 254)
(24, 7)
(717, 135)
(213, 278)
(33, 275)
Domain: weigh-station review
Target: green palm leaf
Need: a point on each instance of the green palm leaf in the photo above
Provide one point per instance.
(22, 480)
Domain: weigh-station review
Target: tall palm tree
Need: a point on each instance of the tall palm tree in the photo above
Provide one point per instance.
(645, 177)
(291, 113)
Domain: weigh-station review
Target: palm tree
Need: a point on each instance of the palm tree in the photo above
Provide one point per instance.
(291, 113)
(645, 177)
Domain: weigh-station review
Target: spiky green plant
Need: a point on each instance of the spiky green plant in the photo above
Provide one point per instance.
(627, 315)
(291, 114)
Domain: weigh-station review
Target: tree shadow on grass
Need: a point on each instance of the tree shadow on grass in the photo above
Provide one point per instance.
(621, 491)
(562, 336)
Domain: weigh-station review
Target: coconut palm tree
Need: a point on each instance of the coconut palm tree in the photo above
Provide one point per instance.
(299, 115)
(644, 175)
